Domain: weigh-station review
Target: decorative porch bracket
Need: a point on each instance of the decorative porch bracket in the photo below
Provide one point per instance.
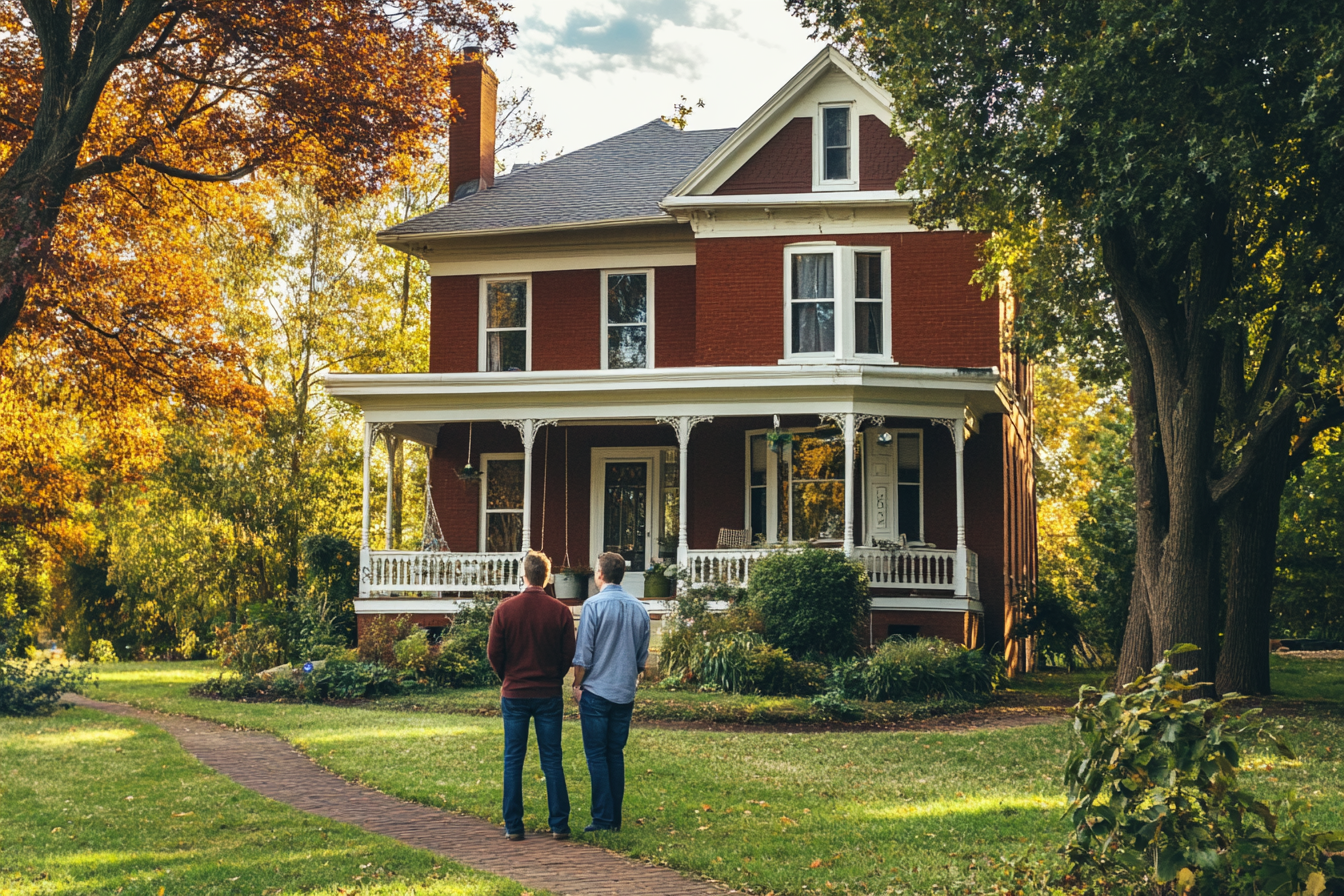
(958, 430)
(528, 429)
(682, 426)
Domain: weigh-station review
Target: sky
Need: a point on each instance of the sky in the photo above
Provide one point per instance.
(601, 67)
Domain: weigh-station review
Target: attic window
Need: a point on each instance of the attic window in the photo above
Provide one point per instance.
(835, 148)
(835, 142)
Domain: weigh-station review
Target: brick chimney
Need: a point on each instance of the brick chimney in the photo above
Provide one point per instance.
(471, 135)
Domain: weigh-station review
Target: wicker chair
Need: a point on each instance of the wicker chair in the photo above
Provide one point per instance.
(734, 540)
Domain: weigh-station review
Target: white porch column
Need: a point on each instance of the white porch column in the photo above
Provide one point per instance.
(683, 426)
(364, 570)
(391, 471)
(958, 430)
(528, 429)
(849, 484)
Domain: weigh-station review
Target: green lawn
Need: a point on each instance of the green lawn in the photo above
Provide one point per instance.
(96, 804)
(861, 811)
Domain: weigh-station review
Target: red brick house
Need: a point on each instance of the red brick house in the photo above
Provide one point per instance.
(668, 334)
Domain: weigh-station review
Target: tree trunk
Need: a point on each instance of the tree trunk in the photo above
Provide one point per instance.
(1165, 323)
(1252, 519)
(1136, 654)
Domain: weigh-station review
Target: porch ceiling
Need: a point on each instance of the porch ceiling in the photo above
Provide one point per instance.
(625, 395)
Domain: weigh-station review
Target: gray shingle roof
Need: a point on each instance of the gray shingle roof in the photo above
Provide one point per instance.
(623, 177)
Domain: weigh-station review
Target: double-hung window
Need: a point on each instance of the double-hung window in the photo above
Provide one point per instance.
(627, 319)
(835, 148)
(506, 317)
(502, 509)
(838, 302)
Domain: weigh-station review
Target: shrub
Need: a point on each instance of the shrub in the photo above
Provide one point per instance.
(917, 669)
(462, 661)
(34, 687)
(810, 601)
(101, 651)
(1157, 807)
(379, 642)
(334, 680)
(248, 649)
(727, 652)
(412, 652)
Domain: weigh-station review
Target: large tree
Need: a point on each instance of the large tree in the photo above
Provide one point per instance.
(211, 91)
(1195, 150)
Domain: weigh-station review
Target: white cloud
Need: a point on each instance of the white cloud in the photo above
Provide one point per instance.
(601, 67)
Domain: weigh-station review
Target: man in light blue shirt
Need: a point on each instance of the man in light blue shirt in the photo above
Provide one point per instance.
(612, 648)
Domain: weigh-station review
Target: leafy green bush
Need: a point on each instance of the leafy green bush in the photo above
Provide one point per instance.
(34, 687)
(1157, 807)
(248, 649)
(333, 680)
(810, 601)
(462, 661)
(412, 652)
(917, 669)
(102, 651)
(726, 652)
(378, 644)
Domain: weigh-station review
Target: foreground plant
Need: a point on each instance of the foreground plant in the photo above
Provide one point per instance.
(1157, 806)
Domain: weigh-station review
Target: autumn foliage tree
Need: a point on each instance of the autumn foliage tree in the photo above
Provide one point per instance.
(210, 91)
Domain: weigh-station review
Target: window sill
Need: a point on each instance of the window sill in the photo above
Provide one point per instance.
(832, 361)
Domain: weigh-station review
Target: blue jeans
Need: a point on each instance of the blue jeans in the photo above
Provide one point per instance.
(548, 712)
(606, 728)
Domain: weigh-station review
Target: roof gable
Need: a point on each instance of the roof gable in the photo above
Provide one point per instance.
(829, 77)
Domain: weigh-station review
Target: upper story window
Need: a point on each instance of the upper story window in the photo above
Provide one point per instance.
(838, 302)
(835, 148)
(627, 319)
(506, 318)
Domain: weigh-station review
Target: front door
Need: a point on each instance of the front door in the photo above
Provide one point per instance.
(625, 511)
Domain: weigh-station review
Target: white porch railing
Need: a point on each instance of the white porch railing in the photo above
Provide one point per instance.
(409, 571)
(925, 569)
(727, 567)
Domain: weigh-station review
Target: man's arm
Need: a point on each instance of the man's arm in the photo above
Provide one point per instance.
(642, 653)
(495, 649)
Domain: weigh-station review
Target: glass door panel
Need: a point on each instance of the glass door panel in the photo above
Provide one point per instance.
(625, 511)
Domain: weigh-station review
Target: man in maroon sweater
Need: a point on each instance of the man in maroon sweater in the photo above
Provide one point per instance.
(531, 648)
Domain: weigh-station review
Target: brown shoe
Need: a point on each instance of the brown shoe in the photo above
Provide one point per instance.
(560, 835)
(513, 836)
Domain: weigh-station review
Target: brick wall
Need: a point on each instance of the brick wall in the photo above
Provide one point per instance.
(782, 165)
(882, 156)
(566, 320)
(674, 316)
(955, 627)
(454, 324)
(938, 318)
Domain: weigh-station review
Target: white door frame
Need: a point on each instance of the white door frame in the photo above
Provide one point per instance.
(652, 455)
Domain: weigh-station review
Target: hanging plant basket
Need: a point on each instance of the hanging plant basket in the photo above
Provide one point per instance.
(777, 439)
(469, 474)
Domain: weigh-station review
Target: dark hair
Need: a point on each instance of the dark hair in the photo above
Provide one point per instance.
(612, 565)
(536, 568)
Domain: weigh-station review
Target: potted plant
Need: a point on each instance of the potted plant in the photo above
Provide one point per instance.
(777, 439)
(656, 581)
(571, 582)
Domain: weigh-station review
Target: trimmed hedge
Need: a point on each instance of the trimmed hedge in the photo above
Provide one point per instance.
(812, 601)
(917, 669)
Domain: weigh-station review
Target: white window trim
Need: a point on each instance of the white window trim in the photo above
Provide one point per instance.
(481, 317)
(844, 302)
(485, 479)
(819, 182)
(602, 321)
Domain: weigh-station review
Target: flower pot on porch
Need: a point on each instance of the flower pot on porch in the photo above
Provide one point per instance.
(657, 584)
(571, 585)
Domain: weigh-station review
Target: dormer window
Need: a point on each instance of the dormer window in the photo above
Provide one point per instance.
(835, 148)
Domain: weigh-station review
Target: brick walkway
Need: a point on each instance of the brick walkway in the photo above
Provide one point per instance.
(274, 768)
